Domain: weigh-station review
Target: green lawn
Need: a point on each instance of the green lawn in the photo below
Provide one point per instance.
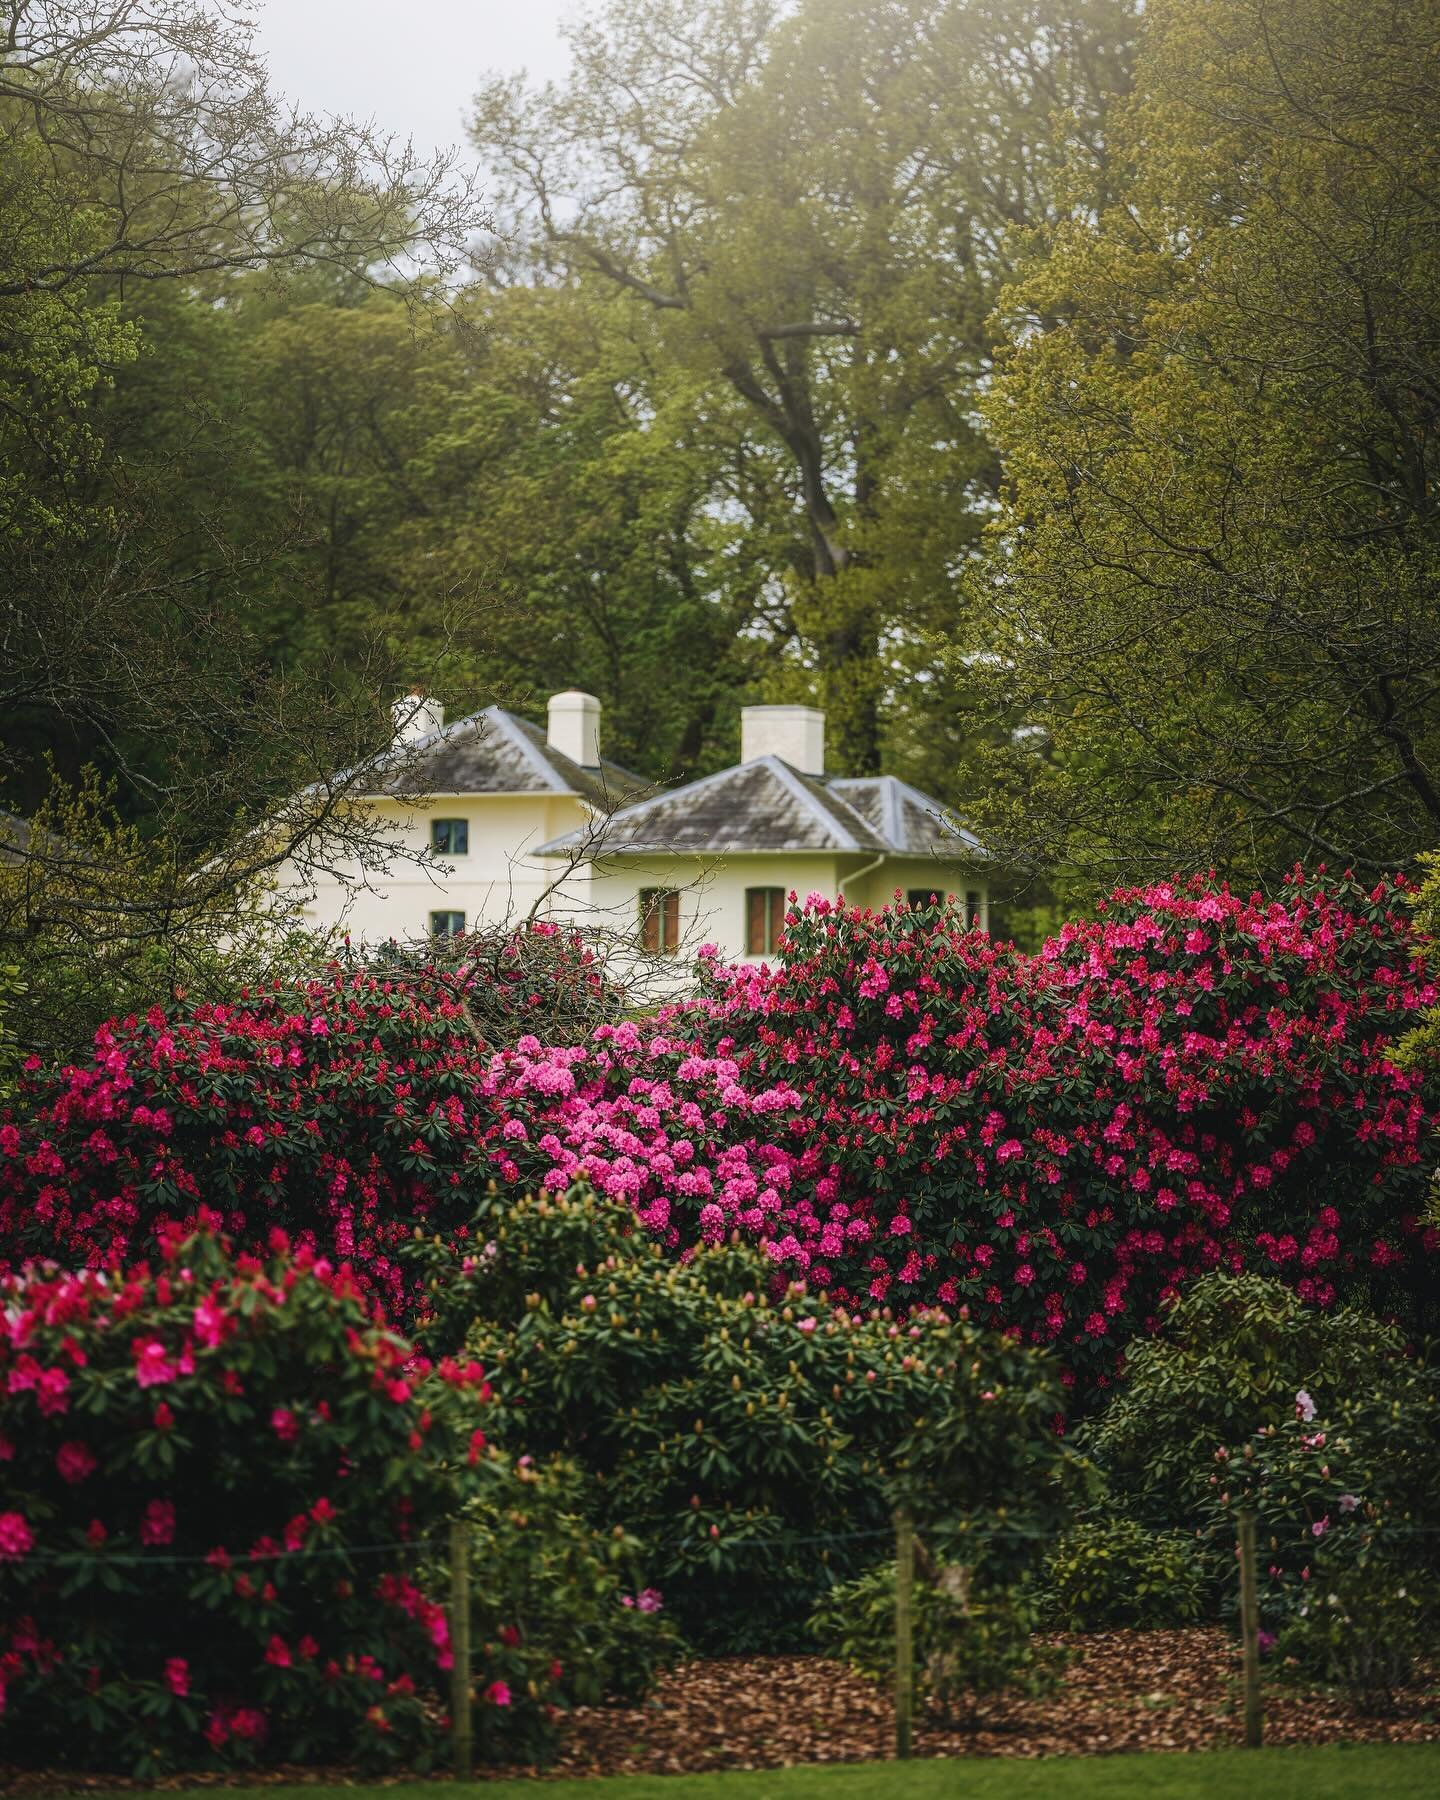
(1336, 1772)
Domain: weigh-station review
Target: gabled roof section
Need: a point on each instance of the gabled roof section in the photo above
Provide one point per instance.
(912, 823)
(494, 752)
(759, 805)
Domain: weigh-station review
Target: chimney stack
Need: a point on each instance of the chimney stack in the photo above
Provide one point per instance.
(574, 728)
(416, 716)
(796, 734)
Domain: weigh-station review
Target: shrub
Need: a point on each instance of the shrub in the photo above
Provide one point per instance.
(339, 1110)
(1367, 1630)
(754, 1447)
(901, 1113)
(1114, 1572)
(223, 1489)
(1190, 1081)
(968, 1642)
(557, 1614)
(1346, 1483)
(515, 979)
(1233, 1353)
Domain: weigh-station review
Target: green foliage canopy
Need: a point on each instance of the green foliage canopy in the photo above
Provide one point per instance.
(1214, 584)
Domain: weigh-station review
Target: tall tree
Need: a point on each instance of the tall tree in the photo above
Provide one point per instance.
(628, 531)
(144, 167)
(816, 204)
(1215, 588)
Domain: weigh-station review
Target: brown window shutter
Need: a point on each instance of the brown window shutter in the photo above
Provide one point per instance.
(672, 922)
(649, 920)
(755, 944)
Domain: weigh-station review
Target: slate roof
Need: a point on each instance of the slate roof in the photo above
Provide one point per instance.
(494, 752)
(913, 823)
(768, 805)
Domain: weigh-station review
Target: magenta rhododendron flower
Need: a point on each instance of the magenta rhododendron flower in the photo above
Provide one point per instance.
(75, 1461)
(152, 1363)
(16, 1538)
(497, 1694)
(177, 1676)
(157, 1527)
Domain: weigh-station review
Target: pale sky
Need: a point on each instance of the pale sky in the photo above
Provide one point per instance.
(412, 65)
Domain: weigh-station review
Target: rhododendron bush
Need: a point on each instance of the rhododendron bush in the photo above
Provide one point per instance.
(901, 1112)
(756, 1445)
(1190, 1081)
(1326, 1424)
(222, 1489)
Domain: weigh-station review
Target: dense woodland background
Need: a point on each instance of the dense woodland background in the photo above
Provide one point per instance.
(1048, 388)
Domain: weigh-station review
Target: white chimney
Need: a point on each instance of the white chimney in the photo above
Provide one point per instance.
(575, 727)
(796, 734)
(416, 715)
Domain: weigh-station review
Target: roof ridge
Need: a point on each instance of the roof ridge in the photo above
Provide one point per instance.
(891, 811)
(808, 789)
(894, 790)
(635, 807)
(538, 758)
(937, 810)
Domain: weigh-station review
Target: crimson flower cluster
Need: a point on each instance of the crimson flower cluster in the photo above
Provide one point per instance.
(900, 1111)
(222, 1485)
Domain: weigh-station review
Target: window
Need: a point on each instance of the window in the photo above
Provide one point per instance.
(973, 908)
(920, 897)
(660, 921)
(447, 924)
(450, 837)
(764, 920)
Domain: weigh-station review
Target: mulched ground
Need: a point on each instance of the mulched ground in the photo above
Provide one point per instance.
(1121, 1691)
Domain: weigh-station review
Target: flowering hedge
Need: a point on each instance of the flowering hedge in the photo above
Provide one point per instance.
(1191, 1080)
(222, 1490)
(901, 1111)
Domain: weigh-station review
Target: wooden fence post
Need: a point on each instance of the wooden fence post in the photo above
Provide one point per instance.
(461, 1726)
(1250, 1630)
(904, 1631)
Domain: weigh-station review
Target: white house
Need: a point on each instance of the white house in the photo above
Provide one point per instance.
(508, 812)
(469, 803)
(714, 861)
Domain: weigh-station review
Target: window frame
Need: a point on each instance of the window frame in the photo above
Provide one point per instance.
(772, 922)
(437, 934)
(451, 848)
(659, 920)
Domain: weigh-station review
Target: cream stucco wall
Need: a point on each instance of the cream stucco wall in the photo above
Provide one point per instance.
(712, 891)
(497, 879)
(500, 878)
(923, 874)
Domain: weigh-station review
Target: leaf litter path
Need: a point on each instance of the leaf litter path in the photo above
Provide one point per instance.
(1121, 1690)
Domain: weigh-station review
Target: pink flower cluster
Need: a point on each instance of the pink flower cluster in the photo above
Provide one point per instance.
(901, 1112)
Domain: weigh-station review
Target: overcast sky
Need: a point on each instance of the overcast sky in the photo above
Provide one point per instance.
(412, 65)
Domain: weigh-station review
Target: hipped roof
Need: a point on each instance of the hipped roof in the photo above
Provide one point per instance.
(494, 752)
(766, 805)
